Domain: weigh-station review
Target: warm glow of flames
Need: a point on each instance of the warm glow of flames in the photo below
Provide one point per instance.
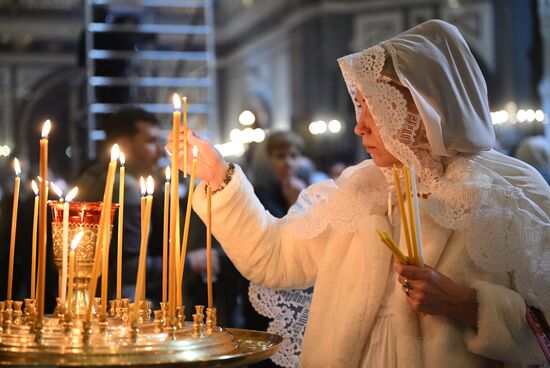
(34, 187)
(176, 100)
(184, 98)
(46, 128)
(115, 152)
(76, 240)
(167, 173)
(143, 186)
(16, 167)
(56, 189)
(122, 158)
(195, 152)
(150, 185)
(70, 196)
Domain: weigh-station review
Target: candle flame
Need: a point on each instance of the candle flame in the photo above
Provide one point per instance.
(168, 172)
(39, 178)
(184, 98)
(16, 167)
(56, 189)
(115, 152)
(122, 158)
(70, 196)
(76, 240)
(34, 187)
(150, 185)
(46, 128)
(143, 186)
(176, 101)
(195, 151)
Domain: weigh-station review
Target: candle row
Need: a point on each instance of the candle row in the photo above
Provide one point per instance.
(172, 247)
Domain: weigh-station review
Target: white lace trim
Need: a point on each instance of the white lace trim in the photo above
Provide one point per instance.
(289, 310)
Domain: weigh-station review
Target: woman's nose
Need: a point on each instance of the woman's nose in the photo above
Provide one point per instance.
(361, 128)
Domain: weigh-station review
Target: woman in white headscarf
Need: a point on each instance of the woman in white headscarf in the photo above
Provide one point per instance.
(422, 101)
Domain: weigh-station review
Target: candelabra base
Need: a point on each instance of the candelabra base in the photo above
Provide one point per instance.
(64, 345)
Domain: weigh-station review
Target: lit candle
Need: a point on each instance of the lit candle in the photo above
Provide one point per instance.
(104, 226)
(412, 226)
(42, 217)
(165, 236)
(65, 250)
(404, 221)
(120, 226)
(184, 137)
(209, 245)
(143, 187)
(418, 231)
(33, 245)
(188, 213)
(16, 185)
(140, 280)
(74, 245)
(143, 203)
(174, 202)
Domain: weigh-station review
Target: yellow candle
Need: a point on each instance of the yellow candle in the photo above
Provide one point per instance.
(107, 230)
(15, 207)
(74, 245)
(412, 225)
(184, 137)
(418, 230)
(178, 264)
(65, 250)
(188, 213)
(140, 280)
(165, 237)
(174, 203)
(143, 204)
(42, 228)
(404, 222)
(120, 226)
(33, 245)
(104, 226)
(390, 243)
(209, 245)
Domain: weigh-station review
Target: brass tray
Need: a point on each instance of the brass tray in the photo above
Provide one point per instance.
(250, 347)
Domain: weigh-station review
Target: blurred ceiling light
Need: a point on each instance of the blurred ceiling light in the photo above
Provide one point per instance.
(259, 135)
(521, 115)
(235, 135)
(530, 115)
(334, 126)
(539, 115)
(230, 149)
(247, 118)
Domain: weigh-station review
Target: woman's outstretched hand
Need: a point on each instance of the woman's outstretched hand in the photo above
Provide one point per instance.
(211, 166)
(430, 292)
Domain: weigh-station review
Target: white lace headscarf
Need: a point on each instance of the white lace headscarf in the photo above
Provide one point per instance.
(466, 188)
(432, 63)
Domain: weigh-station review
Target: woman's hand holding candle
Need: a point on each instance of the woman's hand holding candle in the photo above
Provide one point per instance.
(211, 165)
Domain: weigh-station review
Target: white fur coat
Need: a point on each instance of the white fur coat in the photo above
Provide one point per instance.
(349, 270)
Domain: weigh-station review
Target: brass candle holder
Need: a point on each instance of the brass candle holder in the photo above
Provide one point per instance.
(116, 338)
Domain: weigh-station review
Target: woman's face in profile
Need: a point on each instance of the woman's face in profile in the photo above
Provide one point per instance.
(367, 129)
(283, 162)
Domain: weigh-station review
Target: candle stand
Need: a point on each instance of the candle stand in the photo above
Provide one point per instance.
(126, 334)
